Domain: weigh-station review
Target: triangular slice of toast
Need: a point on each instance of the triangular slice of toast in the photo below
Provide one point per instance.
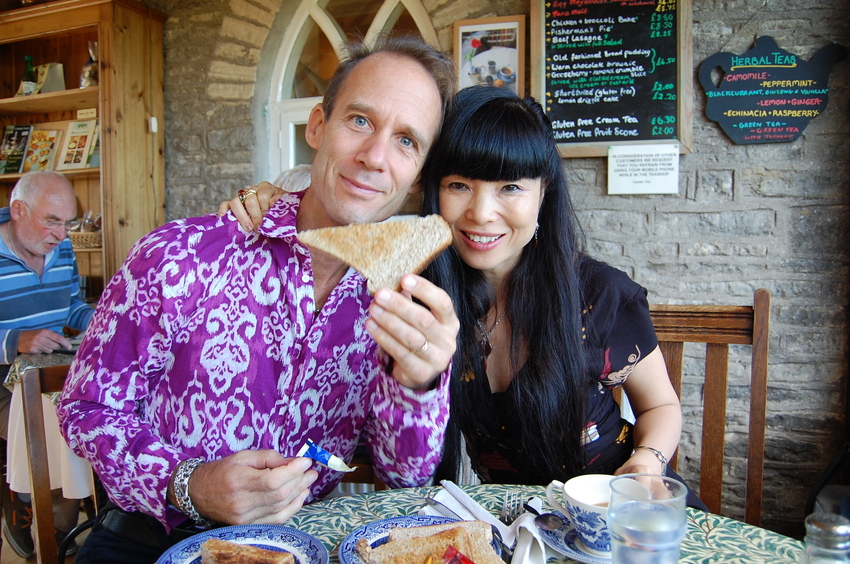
(384, 252)
(217, 551)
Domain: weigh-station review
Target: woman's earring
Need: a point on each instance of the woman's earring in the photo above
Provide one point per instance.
(536, 229)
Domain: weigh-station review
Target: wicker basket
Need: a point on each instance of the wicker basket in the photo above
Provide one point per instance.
(86, 240)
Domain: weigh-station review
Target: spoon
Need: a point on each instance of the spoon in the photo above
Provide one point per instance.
(545, 521)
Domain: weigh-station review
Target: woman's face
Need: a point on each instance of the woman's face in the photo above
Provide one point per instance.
(491, 221)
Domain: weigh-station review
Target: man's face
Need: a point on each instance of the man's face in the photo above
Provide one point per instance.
(40, 224)
(371, 149)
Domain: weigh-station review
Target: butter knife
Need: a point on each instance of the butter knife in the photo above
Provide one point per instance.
(442, 508)
(479, 512)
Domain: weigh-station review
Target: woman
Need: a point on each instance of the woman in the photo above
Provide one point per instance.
(547, 333)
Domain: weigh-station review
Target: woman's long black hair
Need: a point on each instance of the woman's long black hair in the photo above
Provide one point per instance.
(492, 134)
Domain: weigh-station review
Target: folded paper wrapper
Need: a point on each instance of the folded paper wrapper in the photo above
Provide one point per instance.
(523, 535)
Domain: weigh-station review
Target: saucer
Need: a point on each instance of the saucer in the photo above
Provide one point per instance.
(564, 541)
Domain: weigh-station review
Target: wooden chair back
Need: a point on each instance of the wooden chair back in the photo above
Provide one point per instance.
(365, 472)
(34, 382)
(718, 326)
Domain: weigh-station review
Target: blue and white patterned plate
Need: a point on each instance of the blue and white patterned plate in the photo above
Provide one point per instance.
(305, 548)
(564, 540)
(377, 533)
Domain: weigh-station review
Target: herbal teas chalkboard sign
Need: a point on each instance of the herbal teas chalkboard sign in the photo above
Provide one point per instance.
(613, 72)
(767, 95)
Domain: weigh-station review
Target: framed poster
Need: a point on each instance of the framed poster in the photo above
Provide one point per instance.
(613, 72)
(491, 51)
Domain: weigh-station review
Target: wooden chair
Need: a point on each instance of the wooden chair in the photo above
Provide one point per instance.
(718, 326)
(34, 382)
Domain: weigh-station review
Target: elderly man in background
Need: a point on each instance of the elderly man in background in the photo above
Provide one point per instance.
(216, 353)
(39, 296)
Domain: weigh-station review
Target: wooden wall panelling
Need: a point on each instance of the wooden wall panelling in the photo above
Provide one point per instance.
(131, 92)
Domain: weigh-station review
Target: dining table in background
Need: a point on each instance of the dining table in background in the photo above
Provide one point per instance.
(710, 538)
(66, 468)
(24, 362)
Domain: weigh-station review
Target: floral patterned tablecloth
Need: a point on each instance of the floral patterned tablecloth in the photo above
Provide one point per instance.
(711, 538)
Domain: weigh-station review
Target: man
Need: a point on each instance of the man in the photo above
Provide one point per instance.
(217, 353)
(40, 295)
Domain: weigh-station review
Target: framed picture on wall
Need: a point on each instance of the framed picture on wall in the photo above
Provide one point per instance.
(491, 51)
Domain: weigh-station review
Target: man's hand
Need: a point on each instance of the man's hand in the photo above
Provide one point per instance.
(421, 340)
(251, 487)
(35, 341)
(249, 211)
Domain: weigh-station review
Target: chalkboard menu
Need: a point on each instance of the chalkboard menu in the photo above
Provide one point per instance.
(767, 95)
(610, 72)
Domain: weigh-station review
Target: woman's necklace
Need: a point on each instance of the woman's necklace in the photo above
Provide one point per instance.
(484, 344)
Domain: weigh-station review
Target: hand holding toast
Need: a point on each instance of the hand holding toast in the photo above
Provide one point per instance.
(250, 487)
(420, 339)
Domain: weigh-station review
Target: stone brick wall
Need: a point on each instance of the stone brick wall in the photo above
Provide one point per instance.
(772, 216)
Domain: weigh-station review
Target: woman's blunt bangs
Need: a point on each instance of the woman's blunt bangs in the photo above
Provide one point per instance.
(491, 134)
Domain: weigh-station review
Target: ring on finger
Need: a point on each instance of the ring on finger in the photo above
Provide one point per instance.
(424, 347)
(248, 191)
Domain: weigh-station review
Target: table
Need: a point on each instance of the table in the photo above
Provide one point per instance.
(67, 471)
(24, 362)
(711, 538)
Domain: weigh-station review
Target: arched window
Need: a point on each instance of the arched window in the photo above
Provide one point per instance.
(308, 55)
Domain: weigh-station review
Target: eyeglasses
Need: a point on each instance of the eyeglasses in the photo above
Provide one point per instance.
(68, 225)
(52, 224)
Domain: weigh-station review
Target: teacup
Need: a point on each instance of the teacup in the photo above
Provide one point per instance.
(507, 74)
(586, 504)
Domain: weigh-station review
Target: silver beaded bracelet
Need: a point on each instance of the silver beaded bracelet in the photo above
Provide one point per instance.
(658, 454)
(181, 490)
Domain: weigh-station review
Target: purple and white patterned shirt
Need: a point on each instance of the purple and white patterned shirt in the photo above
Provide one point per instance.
(206, 343)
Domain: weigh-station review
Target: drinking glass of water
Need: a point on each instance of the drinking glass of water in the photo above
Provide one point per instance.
(646, 518)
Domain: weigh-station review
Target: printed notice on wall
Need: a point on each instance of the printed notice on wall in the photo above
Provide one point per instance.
(643, 169)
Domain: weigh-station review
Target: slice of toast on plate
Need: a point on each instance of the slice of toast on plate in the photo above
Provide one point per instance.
(217, 551)
(416, 544)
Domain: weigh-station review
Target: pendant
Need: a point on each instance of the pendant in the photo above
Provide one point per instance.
(485, 347)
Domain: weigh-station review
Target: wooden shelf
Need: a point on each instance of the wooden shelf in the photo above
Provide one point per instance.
(75, 99)
(75, 173)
